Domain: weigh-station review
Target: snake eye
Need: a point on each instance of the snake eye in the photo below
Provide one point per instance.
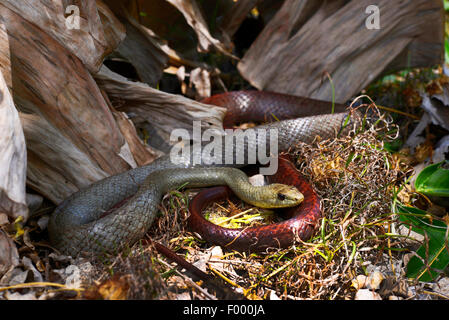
(281, 196)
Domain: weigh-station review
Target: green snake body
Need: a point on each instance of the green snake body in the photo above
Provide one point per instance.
(97, 234)
(79, 225)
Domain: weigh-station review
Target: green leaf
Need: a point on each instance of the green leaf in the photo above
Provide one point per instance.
(433, 255)
(434, 180)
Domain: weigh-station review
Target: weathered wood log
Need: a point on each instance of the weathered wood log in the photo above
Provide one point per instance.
(147, 58)
(56, 167)
(309, 38)
(113, 30)
(163, 110)
(77, 26)
(72, 136)
(13, 154)
(162, 18)
(141, 48)
(142, 154)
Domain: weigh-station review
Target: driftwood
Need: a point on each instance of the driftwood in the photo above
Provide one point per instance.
(143, 52)
(113, 31)
(13, 155)
(141, 153)
(90, 42)
(72, 136)
(162, 110)
(141, 47)
(162, 18)
(309, 38)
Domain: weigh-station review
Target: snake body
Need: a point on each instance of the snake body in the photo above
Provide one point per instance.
(300, 225)
(78, 224)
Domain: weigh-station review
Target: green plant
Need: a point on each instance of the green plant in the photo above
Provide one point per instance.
(432, 257)
(434, 180)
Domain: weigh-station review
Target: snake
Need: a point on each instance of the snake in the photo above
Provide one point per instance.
(300, 225)
(85, 223)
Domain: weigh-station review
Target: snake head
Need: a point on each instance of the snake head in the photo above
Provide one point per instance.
(282, 196)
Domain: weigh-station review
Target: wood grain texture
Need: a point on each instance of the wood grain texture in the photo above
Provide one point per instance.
(143, 51)
(72, 136)
(90, 43)
(13, 157)
(308, 38)
(163, 110)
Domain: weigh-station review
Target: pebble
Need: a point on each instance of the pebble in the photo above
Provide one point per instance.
(367, 294)
(412, 236)
(359, 282)
(374, 280)
(442, 286)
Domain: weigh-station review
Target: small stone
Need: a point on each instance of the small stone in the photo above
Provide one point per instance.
(359, 282)
(366, 294)
(374, 280)
(411, 235)
(442, 286)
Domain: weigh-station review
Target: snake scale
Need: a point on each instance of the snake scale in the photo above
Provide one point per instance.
(79, 225)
